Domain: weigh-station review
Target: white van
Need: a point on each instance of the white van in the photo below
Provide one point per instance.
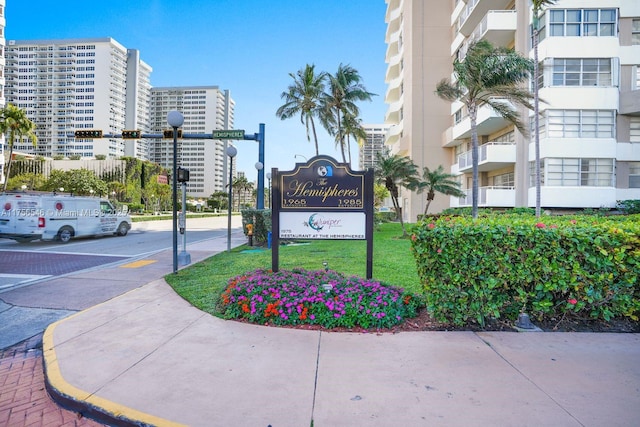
(28, 216)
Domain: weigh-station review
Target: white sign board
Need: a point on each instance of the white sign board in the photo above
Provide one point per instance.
(323, 225)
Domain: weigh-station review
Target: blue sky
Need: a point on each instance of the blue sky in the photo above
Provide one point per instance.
(246, 46)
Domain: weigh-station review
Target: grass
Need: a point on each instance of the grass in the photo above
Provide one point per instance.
(393, 264)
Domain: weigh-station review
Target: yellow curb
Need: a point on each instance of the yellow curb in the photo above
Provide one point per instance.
(56, 381)
(137, 264)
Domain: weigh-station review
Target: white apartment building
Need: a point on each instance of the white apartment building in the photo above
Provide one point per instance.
(373, 144)
(205, 108)
(3, 23)
(75, 84)
(589, 54)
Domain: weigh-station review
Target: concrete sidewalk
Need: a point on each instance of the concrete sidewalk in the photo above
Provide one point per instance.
(149, 358)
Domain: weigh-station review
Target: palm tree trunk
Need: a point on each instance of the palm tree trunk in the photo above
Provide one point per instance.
(536, 114)
(474, 159)
(315, 136)
(341, 138)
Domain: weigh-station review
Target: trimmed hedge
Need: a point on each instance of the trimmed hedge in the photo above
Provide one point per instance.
(261, 220)
(499, 266)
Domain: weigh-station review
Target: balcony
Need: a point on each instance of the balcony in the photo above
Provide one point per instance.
(487, 122)
(476, 10)
(393, 134)
(497, 27)
(499, 197)
(491, 156)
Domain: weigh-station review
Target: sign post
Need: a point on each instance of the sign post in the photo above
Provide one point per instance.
(322, 199)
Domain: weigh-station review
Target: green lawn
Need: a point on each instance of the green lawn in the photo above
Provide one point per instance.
(393, 264)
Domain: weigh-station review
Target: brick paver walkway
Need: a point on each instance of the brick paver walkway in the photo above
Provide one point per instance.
(23, 398)
(43, 263)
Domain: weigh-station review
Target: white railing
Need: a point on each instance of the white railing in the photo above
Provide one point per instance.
(465, 159)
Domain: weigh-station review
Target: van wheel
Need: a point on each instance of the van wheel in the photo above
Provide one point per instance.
(65, 234)
(123, 229)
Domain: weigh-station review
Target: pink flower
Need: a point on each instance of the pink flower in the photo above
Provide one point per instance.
(573, 221)
(553, 226)
(540, 225)
(413, 237)
(431, 225)
(572, 301)
(439, 250)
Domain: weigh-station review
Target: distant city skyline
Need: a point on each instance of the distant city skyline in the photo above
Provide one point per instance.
(238, 45)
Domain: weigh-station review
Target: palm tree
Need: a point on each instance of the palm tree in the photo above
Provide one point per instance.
(14, 123)
(303, 97)
(436, 180)
(537, 7)
(488, 75)
(339, 100)
(353, 127)
(395, 171)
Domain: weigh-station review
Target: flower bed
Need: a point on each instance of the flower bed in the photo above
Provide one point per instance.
(325, 298)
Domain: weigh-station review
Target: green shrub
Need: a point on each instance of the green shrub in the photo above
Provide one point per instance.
(261, 221)
(505, 264)
(628, 206)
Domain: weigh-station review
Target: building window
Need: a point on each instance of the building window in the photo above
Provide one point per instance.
(504, 180)
(634, 129)
(579, 124)
(582, 23)
(634, 174)
(579, 172)
(582, 72)
(635, 31)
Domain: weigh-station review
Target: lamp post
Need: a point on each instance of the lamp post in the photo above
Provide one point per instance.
(295, 156)
(175, 119)
(259, 167)
(269, 179)
(231, 152)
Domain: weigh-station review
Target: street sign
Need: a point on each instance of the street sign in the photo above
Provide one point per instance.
(228, 134)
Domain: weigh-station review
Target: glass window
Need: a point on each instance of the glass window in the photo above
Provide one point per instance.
(635, 31)
(583, 22)
(579, 124)
(634, 174)
(579, 172)
(582, 72)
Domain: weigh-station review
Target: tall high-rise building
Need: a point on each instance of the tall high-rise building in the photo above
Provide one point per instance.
(75, 84)
(589, 54)
(205, 108)
(372, 145)
(2, 82)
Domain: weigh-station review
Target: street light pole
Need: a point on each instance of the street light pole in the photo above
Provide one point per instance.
(259, 203)
(175, 119)
(231, 152)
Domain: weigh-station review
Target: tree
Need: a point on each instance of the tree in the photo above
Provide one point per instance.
(15, 124)
(81, 182)
(352, 127)
(339, 100)
(436, 180)
(303, 97)
(395, 171)
(537, 7)
(488, 75)
(32, 181)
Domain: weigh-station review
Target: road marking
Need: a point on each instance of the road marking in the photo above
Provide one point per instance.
(137, 264)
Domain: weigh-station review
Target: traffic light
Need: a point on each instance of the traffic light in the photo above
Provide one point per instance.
(183, 175)
(168, 133)
(131, 134)
(89, 133)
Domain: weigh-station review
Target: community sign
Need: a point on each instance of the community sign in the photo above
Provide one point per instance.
(322, 199)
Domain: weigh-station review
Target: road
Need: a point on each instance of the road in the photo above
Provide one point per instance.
(41, 282)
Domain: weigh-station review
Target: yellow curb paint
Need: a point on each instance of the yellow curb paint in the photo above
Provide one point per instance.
(137, 264)
(55, 379)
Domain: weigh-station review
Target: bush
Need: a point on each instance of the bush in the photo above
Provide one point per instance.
(261, 221)
(502, 265)
(628, 206)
